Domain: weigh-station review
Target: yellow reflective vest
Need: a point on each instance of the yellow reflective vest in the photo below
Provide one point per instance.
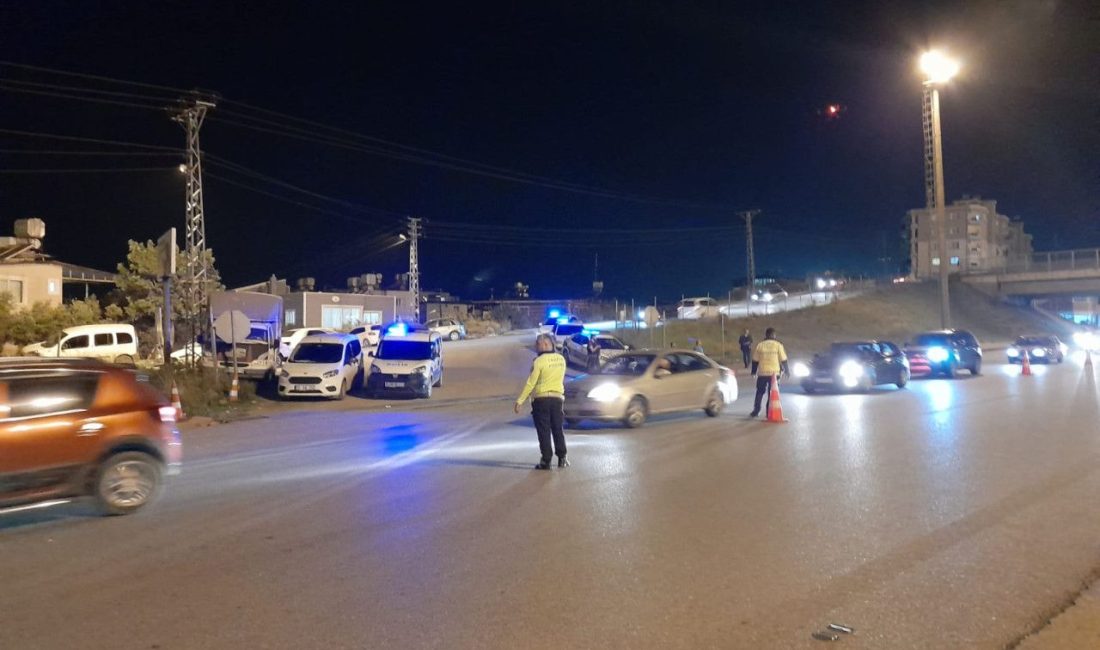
(770, 355)
(547, 378)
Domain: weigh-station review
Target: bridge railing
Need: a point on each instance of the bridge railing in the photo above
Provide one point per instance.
(1087, 258)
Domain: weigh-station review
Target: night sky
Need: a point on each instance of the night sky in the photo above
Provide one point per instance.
(639, 130)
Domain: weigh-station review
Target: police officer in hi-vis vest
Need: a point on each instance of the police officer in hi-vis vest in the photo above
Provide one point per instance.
(769, 359)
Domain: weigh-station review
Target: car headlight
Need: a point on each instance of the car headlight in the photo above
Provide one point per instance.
(329, 374)
(1038, 352)
(936, 355)
(801, 370)
(850, 373)
(374, 369)
(767, 296)
(1012, 352)
(421, 369)
(1063, 348)
(284, 374)
(605, 393)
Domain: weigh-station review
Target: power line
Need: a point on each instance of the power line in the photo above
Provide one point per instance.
(73, 138)
(64, 152)
(85, 89)
(284, 199)
(82, 75)
(94, 100)
(98, 170)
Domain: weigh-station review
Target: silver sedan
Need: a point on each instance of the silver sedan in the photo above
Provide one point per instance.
(634, 385)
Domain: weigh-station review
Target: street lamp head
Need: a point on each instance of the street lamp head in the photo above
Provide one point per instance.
(937, 67)
(402, 237)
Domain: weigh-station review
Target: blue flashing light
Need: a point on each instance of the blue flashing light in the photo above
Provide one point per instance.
(564, 320)
(554, 313)
(591, 332)
(397, 329)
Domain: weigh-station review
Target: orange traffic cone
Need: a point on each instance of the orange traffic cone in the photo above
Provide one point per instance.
(234, 390)
(176, 403)
(1027, 365)
(775, 409)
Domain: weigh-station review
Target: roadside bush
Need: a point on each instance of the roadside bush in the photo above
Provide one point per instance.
(204, 391)
(42, 321)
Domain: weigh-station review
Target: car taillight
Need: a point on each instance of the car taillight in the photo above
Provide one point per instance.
(167, 413)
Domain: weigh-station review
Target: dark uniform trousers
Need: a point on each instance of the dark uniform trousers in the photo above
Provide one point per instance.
(548, 416)
(746, 354)
(763, 387)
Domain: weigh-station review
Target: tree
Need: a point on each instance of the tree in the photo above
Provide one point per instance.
(142, 290)
(43, 321)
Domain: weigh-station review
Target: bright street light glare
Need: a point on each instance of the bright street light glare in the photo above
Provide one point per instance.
(937, 67)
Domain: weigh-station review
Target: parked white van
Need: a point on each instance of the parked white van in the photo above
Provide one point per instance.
(408, 360)
(322, 365)
(112, 342)
(695, 308)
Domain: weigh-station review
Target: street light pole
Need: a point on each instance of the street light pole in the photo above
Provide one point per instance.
(938, 69)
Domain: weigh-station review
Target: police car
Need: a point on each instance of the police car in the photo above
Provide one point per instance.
(408, 360)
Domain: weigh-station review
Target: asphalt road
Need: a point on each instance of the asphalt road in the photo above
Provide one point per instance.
(947, 515)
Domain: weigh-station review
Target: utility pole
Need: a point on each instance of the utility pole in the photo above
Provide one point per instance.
(191, 117)
(748, 215)
(934, 192)
(414, 265)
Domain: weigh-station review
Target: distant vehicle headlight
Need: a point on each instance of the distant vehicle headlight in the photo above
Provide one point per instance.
(605, 393)
(767, 296)
(1063, 348)
(1084, 340)
(801, 370)
(1038, 352)
(1012, 352)
(937, 354)
(329, 374)
(374, 369)
(820, 283)
(832, 283)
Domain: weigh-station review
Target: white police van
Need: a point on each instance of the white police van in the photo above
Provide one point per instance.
(408, 360)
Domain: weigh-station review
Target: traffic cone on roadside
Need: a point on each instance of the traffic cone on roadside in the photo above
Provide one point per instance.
(176, 403)
(775, 409)
(1027, 365)
(234, 390)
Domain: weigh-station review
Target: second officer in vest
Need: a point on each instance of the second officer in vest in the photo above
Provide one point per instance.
(546, 388)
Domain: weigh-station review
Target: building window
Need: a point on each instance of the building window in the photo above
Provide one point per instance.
(935, 261)
(290, 317)
(372, 318)
(954, 261)
(13, 288)
(52, 286)
(340, 318)
(955, 245)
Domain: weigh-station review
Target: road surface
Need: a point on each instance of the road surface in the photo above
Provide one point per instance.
(947, 515)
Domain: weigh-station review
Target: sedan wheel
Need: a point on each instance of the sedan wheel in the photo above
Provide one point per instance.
(903, 379)
(976, 369)
(453, 336)
(126, 482)
(635, 413)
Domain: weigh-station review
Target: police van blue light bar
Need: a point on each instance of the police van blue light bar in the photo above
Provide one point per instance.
(554, 313)
(397, 329)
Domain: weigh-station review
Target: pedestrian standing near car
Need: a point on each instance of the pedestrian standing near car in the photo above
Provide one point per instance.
(593, 349)
(546, 388)
(698, 347)
(746, 347)
(769, 360)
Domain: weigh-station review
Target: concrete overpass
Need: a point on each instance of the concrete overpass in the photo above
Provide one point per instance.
(1068, 273)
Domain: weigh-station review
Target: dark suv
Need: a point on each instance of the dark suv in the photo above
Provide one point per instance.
(76, 427)
(944, 352)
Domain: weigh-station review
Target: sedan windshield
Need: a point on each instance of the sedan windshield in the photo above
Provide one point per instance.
(628, 364)
(403, 350)
(568, 330)
(1035, 341)
(610, 344)
(318, 353)
(850, 349)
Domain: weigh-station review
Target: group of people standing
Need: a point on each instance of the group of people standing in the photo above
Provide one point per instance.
(546, 385)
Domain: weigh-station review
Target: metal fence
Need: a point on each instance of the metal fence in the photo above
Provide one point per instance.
(1083, 259)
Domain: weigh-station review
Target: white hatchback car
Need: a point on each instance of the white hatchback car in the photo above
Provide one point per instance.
(369, 335)
(322, 365)
(448, 328)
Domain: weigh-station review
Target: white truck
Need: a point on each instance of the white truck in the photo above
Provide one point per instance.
(257, 356)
